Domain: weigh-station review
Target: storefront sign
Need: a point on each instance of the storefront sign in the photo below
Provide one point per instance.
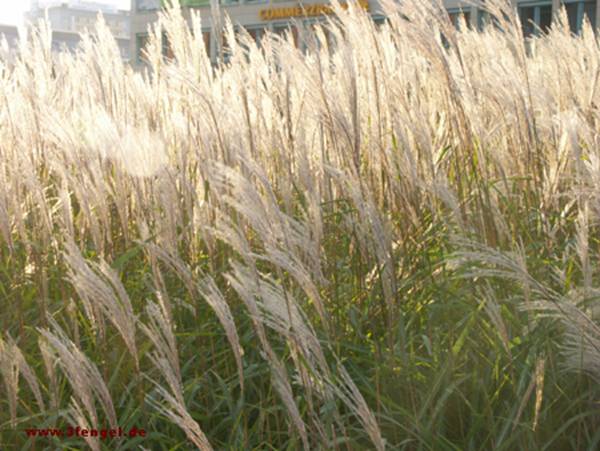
(304, 10)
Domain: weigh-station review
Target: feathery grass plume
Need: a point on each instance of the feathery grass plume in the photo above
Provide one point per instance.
(141, 153)
(271, 300)
(284, 389)
(50, 363)
(211, 293)
(227, 231)
(184, 45)
(582, 245)
(540, 371)
(504, 265)
(76, 416)
(24, 369)
(100, 133)
(245, 282)
(83, 376)
(179, 415)
(280, 311)
(347, 391)
(5, 221)
(100, 290)
(167, 212)
(284, 238)
(493, 311)
(581, 346)
(268, 305)
(165, 356)
(101, 56)
(582, 335)
(90, 191)
(174, 262)
(568, 155)
(375, 231)
(582, 341)
(9, 368)
(272, 306)
(66, 209)
(160, 287)
(536, 379)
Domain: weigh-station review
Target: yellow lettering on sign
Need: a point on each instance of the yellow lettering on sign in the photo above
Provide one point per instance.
(309, 10)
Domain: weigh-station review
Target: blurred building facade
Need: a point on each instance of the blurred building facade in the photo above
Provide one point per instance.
(258, 16)
(9, 41)
(68, 19)
(11, 34)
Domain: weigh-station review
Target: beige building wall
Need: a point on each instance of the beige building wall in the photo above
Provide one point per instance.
(68, 21)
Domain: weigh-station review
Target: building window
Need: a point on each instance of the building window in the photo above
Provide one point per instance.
(535, 18)
(256, 33)
(167, 48)
(147, 5)
(572, 13)
(281, 29)
(455, 17)
(576, 11)
(141, 44)
(225, 52)
(589, 10)
(379, 21)
(484, 19)
(124, 50)
(309, 35)
(206, 39)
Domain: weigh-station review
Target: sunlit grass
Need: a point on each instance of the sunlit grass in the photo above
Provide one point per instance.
(388, 242)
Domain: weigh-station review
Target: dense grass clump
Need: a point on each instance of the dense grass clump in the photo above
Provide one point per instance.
(384, 241)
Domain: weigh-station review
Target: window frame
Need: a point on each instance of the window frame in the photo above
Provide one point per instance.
(138, 48)
(280, 28)
(455, 13)
(147, 10)
(261, 28)
(536, 22)
(581, 12)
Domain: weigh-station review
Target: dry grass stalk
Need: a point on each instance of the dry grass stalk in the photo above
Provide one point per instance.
(13, 364)
(100, 289)
(83, 376)
(211, 293)
(165, 356)
(179, 415)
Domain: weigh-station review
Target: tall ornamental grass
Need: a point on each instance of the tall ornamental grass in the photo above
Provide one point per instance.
(384, 239)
